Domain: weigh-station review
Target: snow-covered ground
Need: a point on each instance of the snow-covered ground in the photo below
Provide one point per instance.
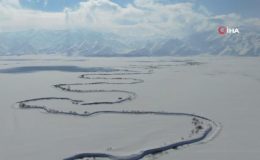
(223, 89)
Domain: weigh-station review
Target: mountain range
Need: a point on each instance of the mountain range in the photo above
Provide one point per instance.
(82, 42)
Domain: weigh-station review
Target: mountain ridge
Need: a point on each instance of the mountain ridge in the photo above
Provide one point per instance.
(89, 43)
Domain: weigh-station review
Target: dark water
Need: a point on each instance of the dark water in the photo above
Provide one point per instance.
(32, 69)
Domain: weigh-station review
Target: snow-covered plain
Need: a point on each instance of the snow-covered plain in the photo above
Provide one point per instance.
(223, 89)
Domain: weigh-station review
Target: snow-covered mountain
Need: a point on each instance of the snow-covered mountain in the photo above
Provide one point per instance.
(247, 44)
(89, 43)
(76, 42)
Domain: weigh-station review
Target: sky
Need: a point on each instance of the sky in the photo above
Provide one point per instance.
(247, 8)
(145, 18)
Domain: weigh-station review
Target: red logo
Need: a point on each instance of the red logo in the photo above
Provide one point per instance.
(222, 30)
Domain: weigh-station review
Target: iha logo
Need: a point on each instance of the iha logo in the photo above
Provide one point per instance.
(223, 30)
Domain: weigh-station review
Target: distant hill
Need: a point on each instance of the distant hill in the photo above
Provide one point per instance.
(89, 43)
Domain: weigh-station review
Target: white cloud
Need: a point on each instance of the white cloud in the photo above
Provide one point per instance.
(10, 3)
(143, 18)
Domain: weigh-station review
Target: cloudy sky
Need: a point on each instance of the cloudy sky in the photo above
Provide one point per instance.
(145, 18)
(248, 8)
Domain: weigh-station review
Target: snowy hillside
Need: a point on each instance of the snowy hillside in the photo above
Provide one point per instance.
(89, 43)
